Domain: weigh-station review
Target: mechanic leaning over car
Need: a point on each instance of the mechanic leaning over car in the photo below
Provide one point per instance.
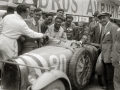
(80, 32)
(108, 37)
(14, 26)
(55, 31)
(68, 26)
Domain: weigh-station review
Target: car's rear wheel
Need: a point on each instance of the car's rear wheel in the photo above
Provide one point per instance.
(56, 85)
(80, 68)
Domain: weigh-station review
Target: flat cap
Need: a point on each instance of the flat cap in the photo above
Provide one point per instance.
(60, 10)
(104, 14)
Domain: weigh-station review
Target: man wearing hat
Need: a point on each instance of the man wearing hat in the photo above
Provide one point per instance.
(108, 37)
(60, 13)
(92, 24)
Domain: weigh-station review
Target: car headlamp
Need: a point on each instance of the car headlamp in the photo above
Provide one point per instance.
(32, 78)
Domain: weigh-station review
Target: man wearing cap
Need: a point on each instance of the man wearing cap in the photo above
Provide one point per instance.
(91, 25)
(108, 37)
(68, 26)
(60, 13)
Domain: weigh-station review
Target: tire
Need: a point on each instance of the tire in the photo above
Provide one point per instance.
(56, 85)
(80, 68)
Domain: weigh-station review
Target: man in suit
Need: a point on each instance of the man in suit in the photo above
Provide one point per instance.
(109, 31)
(33, 23)
(116, 61)
(91, 26)
(97, 33)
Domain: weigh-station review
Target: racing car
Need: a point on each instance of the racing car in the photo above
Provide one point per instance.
(63, 65)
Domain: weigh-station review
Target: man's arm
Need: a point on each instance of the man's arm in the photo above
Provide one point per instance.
(30, 33)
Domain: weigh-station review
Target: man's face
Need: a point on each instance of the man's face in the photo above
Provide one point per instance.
(38, 15)
(104, 20)
(60, 13)
(68, 21)
(32, 8)
(96, 18)
(80, 25)
(24, 14)
(49, 20)
(58, 23)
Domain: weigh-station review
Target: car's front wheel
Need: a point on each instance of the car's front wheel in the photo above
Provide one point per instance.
(80, 68)
(56, 85)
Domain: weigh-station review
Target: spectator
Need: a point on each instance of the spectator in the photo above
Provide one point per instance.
(68, 26)
(116, 61)
(44, 25)
(31, 11)
(80, 32)
(33, 23)
(108, 37)
(10, 10)
(60, 13)
(55, 31)
(91, 25)
(13, 27)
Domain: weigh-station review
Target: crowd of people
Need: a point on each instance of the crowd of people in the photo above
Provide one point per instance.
(25, 30)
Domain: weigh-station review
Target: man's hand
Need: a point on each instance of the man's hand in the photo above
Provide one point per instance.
(45, 38)
(79, 43)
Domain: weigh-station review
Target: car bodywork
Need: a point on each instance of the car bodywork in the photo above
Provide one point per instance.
(55, 58)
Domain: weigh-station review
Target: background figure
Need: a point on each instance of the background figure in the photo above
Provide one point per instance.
(10, 10)
(91, 26)
(68, 26)
(108, 37)
(31, 11)
(80, 32)
(116, 61)
(33, 23)
(44, 25)
(60, 13)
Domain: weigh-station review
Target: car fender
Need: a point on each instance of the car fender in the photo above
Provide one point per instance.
(49, 77)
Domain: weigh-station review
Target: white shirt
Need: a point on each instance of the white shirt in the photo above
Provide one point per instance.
(58, 35)
(14, 26)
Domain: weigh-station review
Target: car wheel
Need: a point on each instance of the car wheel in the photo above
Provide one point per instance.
(56, 85)
(80, 68)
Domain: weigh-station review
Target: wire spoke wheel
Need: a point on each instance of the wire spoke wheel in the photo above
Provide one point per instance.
(80, 68)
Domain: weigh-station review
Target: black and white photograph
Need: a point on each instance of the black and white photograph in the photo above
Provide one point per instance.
(59, 44)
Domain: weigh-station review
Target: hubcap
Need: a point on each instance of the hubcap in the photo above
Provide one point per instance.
(83, 69)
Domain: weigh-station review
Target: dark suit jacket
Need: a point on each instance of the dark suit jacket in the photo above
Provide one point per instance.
(80, 34)
(91, 26)
(96, 33)
(108, 40)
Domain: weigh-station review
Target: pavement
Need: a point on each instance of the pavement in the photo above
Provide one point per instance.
(93, 85)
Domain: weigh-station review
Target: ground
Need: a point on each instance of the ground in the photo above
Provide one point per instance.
(93, 85)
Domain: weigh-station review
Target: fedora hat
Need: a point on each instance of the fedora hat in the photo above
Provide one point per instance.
(104, 14)
(96, 13)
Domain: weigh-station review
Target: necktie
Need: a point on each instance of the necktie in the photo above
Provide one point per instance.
(101, 34)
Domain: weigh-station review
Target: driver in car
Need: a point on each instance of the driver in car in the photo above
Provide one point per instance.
(80, 32)
(55, 31)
